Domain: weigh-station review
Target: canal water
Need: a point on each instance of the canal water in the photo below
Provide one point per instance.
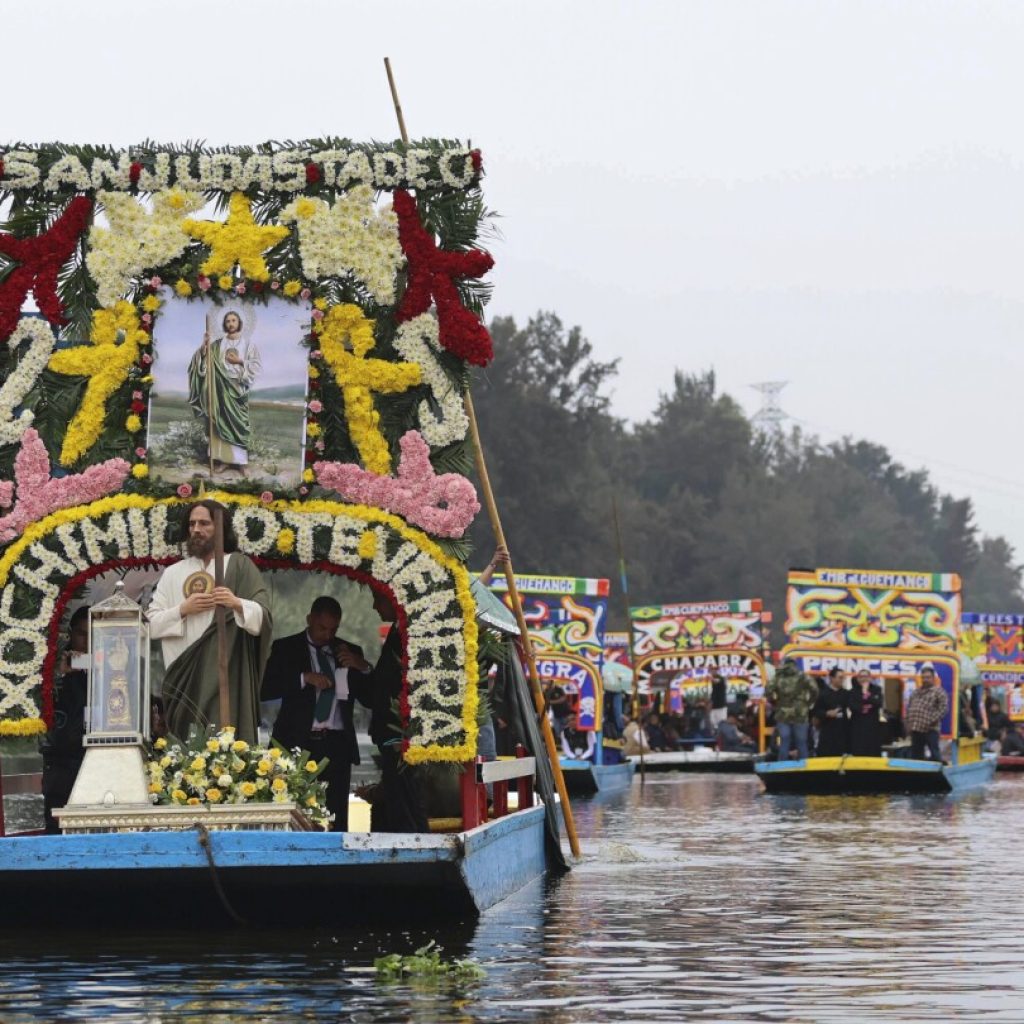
(698, 898)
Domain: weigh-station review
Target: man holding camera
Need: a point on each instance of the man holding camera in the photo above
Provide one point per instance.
(309, 673)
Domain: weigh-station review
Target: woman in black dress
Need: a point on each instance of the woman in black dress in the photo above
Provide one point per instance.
(833, 732)
(865, 703)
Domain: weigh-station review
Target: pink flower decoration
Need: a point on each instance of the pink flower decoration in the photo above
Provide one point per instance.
(316, 406)
(317, 314)
(184, 490)
(140, 453)
(146, 359)
(137, 396)
(305, 293)
(147, 318)
(303, 490)
(203, 283)
(319, 445)
(442, 505)
(240, 288)
(316, 354)
(39, 494)
(267, 497)
(155, 282)
(274, 285)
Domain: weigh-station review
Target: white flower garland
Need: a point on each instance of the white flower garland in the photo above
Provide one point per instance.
(350, 237)
(283, 171)
(417, 341)
(137, 239)
(19, 383)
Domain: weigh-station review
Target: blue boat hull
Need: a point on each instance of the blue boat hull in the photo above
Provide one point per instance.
(585, 779)
(872, 775)
(164, 879)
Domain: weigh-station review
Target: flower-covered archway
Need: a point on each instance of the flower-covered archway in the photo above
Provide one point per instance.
(55, 555)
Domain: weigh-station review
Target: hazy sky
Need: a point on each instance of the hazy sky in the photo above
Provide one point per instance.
(830, 194)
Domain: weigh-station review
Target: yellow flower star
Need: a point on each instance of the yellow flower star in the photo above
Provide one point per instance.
(238, 240)
(116, 337)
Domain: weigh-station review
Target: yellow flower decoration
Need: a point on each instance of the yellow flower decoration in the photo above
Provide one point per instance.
(239, 746)
(359, 377)
(193, 801)
(151, 303)
(133, 424)
(226, 282)
(279, 785)
(367, 546)
(292, 288)
(183, 288)
(310, 766)
(239, 240)
(213, 795)
(155, 787)
(286, 541)
(313, 430)
(263, 767)
(308, 476)
(115, 339)
(212, 746)
(179, 796)
(248, 788)
(320, 303)
(160, 744)
(314, 373)
(140, 471)
(198, 764)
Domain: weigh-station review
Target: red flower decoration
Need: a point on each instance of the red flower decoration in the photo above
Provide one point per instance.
(432, 274)
(312, 174)
(134, 171)
(40, 259)
(138, 406)
(477, 158)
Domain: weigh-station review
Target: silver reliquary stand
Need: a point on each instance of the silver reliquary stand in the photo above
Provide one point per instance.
(113, 773)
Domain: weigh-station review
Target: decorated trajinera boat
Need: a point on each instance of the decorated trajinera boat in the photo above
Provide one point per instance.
(678, 651)
(894, 625)
(994, 642)
(566, 617)
(288, 330)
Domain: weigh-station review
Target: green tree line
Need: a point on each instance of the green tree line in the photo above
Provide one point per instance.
(709, 509)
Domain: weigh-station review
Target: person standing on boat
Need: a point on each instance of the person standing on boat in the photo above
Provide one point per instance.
(719, 700)
(181, 616)
(314, 676)
(62, 747)
(398, 805)
(830, 710)
(925, 710)
(865, 703)
(793, 694)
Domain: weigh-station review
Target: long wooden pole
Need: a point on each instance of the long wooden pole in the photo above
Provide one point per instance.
(221, 620)
(624, 587)
(510, 580)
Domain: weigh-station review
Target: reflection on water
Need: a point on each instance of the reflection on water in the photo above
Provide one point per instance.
(698, 897)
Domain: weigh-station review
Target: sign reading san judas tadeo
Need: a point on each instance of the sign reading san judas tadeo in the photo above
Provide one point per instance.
(289, 328)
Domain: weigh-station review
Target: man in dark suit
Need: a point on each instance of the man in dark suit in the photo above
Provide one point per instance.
(315, 674)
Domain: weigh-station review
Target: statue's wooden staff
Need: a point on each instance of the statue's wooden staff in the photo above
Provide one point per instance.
(220, 616)
(510, 580)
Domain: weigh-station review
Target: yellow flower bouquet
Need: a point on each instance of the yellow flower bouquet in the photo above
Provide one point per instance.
(215, 768)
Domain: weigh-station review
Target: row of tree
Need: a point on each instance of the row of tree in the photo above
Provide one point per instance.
(709, 509)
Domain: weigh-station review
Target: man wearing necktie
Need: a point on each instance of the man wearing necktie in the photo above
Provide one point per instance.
(315, 674)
